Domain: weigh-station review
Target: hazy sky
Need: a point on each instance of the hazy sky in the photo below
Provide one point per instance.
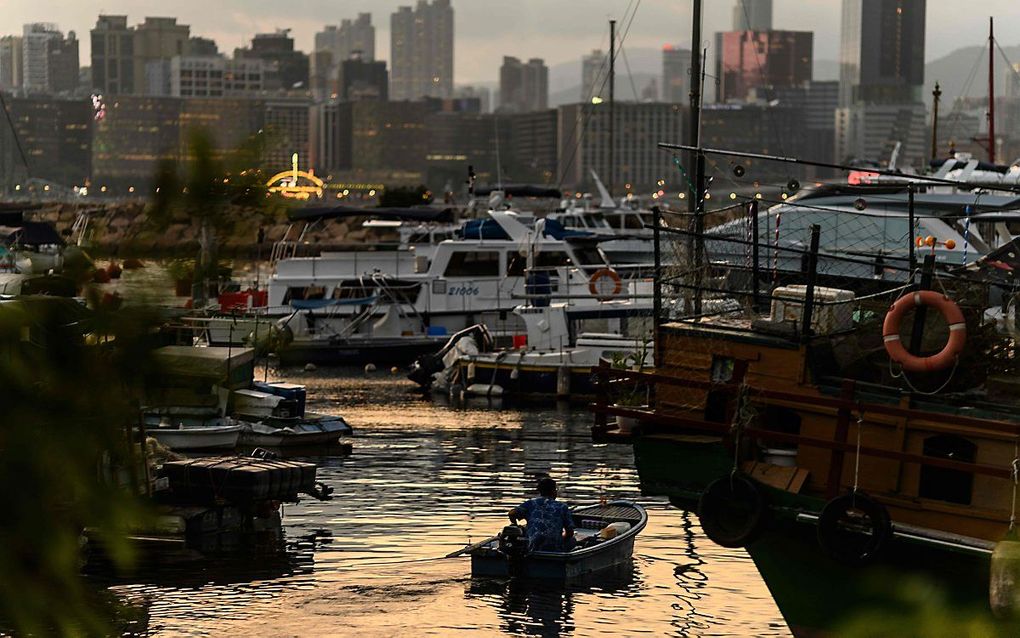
(486, 30)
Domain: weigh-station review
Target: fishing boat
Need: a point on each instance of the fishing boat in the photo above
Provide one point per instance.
(507, 555)
(553, 362)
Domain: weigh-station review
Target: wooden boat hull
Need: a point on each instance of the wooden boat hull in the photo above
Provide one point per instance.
(495, 564)
(488, 561)
(210, 438)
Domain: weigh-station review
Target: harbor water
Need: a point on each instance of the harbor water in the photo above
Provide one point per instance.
(423, 480)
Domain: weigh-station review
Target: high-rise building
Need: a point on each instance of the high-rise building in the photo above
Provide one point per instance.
(881, 81)
(158, 39)
(1012, 77)
(421, 51)
(882, 51)
(584, 140)
(206, 76)
(289, 66)
(752, 15)
(756, 60)
(55, 134)
(203, 46)
(359, 80)
(49, 60)
(523, 87)
(594, 75)
(11, 61)
(286, 120)
(113, 56)
(350, 36)
(676, 74)
(817, 101)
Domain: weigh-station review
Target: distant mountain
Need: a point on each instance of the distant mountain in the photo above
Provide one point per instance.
(964, 72)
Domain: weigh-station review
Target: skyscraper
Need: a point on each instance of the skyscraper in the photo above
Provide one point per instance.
(49, 61)
(11, 60)
(113, 50)
(421, 51)
(676, 74)
(882, 51)
(277, 50)
(594, 74)
(881, 81)
(747, 60)
(350, 36)
(523, 87)
(156, 40)
(752, 15)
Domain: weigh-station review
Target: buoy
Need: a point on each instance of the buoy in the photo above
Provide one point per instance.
(132, 263)
(456, 393)
(515, 373)
(369, 368)
(471, 371)
(1004, 583)
(853, 529)
(394, 370)
(100, 276)
(563, 381)
(113, 270)
(732, 511)
(310, 367)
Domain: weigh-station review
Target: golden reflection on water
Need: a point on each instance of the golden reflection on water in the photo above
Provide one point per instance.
(424, 480)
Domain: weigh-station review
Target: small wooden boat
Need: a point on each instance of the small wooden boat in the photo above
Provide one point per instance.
(201, 437)
(493, 558)
(311, 430)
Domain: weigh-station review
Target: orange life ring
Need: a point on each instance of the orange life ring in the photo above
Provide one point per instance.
(950, 312)
(597, 291)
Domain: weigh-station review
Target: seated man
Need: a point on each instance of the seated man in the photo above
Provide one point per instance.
(550, 526)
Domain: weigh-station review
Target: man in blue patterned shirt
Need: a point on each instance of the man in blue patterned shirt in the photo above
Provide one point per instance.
(550, 526)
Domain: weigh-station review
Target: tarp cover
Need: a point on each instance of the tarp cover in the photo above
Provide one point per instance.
(413, 214)
(34, 234)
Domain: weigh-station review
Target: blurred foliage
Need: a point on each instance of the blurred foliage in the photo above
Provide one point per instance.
(209, 189)
(69, 392)
(922, 610)
(404, 196)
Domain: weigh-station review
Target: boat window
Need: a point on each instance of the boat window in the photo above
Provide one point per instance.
(633, 222)
(354, 289)
(516, 263)
(588, 256)
(474, 263)
(615, 221)
(304, 293)
(953, 486)
(551, 259)
(568, 222)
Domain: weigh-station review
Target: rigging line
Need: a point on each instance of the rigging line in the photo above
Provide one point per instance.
(14, 132)
(957, 111)
(583, 119)
(630, 74)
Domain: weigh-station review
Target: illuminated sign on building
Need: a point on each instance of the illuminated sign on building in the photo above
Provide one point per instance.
(296, 184)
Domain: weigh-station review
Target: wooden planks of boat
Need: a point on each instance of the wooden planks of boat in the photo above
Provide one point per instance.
(591, 556)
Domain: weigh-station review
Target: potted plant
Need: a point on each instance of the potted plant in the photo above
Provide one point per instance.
(634, 395)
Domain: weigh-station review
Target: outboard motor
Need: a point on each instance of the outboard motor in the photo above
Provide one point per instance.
(514, 545)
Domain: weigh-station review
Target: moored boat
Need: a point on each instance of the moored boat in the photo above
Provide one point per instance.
(198, 437)
(503, 557)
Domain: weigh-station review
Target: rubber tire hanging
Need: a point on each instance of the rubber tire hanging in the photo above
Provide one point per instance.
(842, 544)
(732, 511)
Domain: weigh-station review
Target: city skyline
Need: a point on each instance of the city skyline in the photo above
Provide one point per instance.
(562, 33)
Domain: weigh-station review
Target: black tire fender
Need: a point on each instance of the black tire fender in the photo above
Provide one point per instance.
(854, 529)
(732, 511)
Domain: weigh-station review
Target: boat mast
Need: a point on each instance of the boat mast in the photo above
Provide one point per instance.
(991, 90)
(937, 96)
(612, 106)
(696, 203)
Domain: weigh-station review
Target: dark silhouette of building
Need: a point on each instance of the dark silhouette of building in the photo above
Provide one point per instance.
(277, 50)
(756, 60)
(676, 74)
(421, 51)
(361, 79)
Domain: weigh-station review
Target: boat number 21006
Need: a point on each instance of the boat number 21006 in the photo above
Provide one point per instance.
(463, 291)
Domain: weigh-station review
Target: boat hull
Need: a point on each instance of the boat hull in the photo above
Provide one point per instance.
(494, 564)
(532, 382)
(215, 438)
(400, 351)
(793, 564)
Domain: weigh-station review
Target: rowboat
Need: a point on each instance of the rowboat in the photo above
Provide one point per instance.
(310, 430)
(497, 557)
(203, 437)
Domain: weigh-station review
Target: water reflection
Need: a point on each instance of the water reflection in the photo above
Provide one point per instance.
(422, 481)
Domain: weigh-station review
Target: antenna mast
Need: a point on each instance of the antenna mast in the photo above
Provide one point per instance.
(991, 90)
(612, 105)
